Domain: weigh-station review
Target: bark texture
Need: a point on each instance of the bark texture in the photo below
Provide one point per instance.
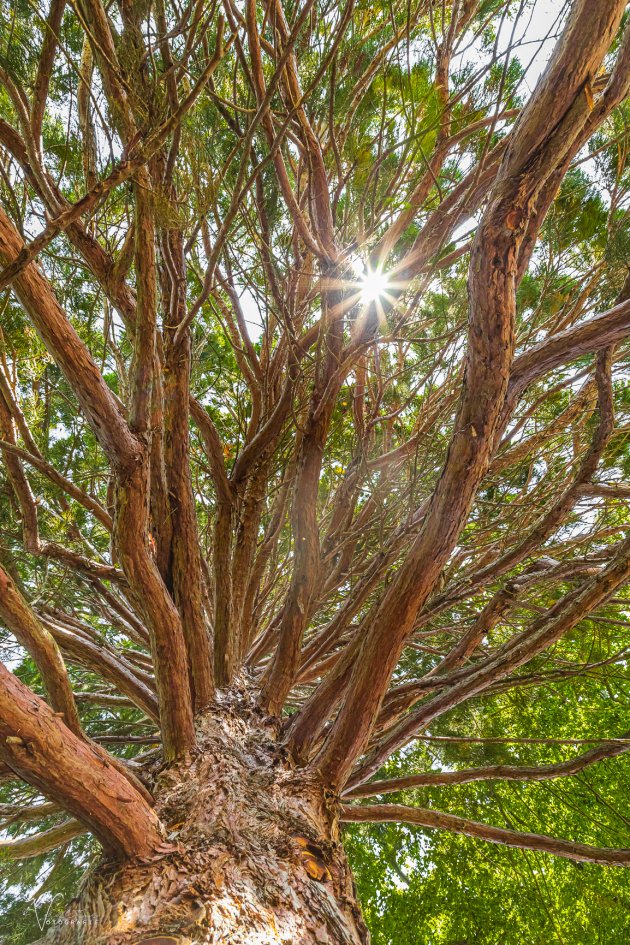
(353, 534)
(254, 855)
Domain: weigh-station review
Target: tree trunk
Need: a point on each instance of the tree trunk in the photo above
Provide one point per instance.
(253, 854)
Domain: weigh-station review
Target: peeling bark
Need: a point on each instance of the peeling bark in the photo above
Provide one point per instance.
(313, 582)
(255, 855)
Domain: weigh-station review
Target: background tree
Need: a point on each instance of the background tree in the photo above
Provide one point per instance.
(314, 436)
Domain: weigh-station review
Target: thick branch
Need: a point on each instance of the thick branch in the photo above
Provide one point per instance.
(599, 332)
(97, 401)
(39, 748)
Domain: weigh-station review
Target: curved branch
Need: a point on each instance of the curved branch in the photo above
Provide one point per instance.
(599, 332)
(437, 820)
(76, 774)
(16, 614)
(494, 772)
(103, 660)
(48, 470)
(71, 354)
(520, 649)
(24, 847)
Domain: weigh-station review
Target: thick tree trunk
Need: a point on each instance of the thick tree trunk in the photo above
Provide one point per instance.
(253, 857)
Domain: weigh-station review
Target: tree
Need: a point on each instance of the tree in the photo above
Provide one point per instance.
(282, 501)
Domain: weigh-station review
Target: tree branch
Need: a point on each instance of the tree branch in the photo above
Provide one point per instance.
(561, 769)
(29, 632)
(76, 774)
(437, 820)
(23, 848)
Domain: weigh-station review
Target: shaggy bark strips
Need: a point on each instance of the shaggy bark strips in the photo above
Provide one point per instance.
(258, 524)
(255, 856)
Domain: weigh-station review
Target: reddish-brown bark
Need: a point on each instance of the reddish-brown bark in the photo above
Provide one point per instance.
(397, 813)
(266, 596)
(37, 746)
(255, 853)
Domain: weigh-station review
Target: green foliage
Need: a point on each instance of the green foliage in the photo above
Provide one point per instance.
(444, 890)
(381, 119)
(439, 889)
(34, 893)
